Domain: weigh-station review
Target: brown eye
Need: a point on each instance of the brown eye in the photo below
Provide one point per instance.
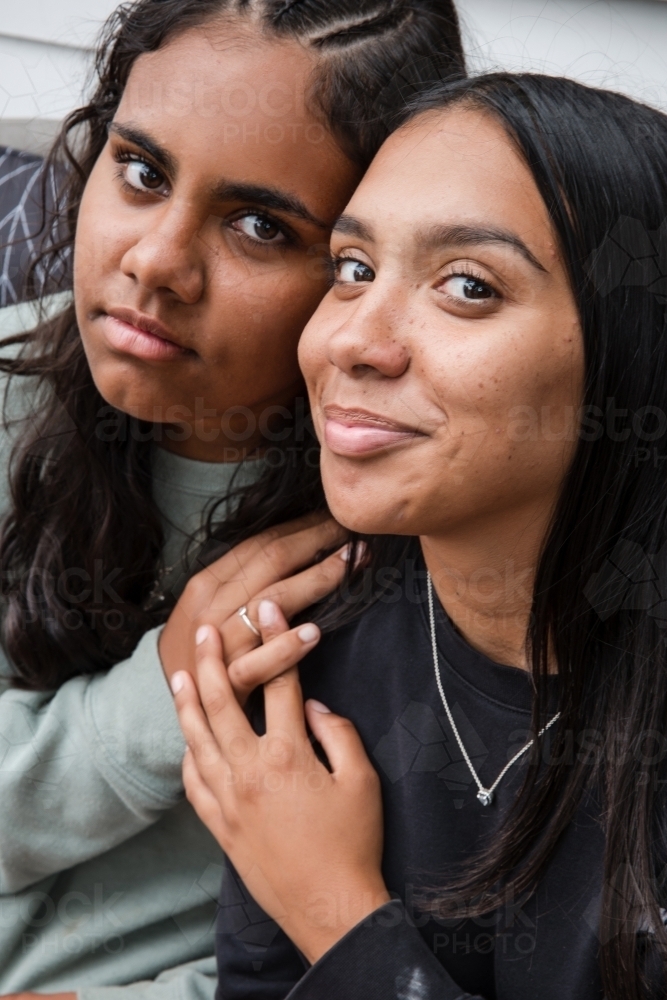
(265, 229)
(468, 288)
(260, 228)
(351, 271)
(143, 176)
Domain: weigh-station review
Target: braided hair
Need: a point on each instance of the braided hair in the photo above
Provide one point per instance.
(376, 54)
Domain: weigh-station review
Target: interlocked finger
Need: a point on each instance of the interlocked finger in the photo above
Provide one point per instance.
(233, 733)
(270, 557)
(233, 562)
(194, 724)
(300, 591)
(285, 715)
(292, 595)
(277, 654)
(210, 600)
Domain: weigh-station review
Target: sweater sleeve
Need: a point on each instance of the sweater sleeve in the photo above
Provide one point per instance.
(194, 981)
(383, 958)
(87, 767)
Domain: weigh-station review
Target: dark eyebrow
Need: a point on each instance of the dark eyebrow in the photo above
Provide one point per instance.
(267, 197)
(225, 191)
(137, 136)
(460, 236)
(347, 225)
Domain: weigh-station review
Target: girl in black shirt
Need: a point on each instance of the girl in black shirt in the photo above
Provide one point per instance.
(488, 373)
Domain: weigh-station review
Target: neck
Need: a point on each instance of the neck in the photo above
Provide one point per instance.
(200, 451)
(484, 574)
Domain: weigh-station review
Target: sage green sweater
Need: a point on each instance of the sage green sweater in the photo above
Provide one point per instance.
(108, 880)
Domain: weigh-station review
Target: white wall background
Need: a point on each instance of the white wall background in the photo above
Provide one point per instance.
(45, 51)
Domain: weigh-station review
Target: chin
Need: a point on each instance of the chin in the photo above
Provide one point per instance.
(364, 513)
(130, 403)
(363, 501)
(120, 387)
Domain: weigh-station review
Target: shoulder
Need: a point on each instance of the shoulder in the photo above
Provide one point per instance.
(16, 320)
(19, 395)
(23, 316)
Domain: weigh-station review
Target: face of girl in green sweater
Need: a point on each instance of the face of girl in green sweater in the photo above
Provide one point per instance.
(196, 256)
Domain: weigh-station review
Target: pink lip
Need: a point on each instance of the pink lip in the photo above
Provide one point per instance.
(140, 335)
(355, 432)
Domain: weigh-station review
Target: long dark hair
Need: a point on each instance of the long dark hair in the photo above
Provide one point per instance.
(598, 160)
(81, 503)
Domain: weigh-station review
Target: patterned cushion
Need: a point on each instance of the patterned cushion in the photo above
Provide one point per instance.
(20, 218)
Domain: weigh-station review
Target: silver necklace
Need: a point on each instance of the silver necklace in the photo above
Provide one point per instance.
(485, 795)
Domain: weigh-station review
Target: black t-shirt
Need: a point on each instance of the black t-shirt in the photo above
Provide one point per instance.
(379, 673)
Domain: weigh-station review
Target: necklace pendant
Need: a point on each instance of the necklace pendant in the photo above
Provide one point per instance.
(485, 796)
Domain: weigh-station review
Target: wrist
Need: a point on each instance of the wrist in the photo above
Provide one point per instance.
(330, 914)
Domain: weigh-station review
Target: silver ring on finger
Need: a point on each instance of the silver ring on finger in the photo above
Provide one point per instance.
(243, 615)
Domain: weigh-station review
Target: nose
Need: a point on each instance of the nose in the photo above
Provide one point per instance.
(368, 342)
(167, 255)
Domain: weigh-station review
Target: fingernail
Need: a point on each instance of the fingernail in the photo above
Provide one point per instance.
(177, 681)
(201, 634)
(361, 550)
(317, 706)
(308, 633)
(267, 612)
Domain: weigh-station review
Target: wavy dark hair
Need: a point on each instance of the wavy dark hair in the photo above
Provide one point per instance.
(598, 160)
(81, 502)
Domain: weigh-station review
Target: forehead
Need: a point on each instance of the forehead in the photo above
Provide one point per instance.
(459, 166)
(221, 70)
(231, 104)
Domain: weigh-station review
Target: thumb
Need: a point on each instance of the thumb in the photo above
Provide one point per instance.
(339, 739)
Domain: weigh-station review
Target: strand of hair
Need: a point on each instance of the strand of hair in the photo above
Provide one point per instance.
(356, 31)
(285, 9)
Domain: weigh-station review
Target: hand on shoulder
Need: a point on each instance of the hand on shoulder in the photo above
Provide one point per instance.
(278, 565)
